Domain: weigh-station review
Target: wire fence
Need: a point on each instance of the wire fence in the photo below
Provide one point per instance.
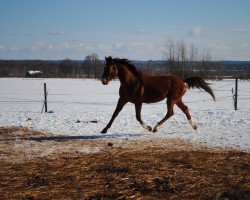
(242, 95)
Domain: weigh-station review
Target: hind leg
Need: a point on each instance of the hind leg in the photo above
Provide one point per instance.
(184, 109)
(170, 113)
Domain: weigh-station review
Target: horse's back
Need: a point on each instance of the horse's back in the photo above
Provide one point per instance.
(157, 88)
(162, 82)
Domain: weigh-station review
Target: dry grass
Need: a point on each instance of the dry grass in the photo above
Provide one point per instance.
(142, 172)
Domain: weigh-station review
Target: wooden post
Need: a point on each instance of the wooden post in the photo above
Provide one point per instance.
(45, 97)
(236, 94)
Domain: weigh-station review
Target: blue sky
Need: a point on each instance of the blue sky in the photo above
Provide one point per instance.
(134, 29)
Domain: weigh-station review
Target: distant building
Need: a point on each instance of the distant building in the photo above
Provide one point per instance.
(33, 74)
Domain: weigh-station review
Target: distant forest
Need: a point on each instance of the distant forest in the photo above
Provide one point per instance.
(92, 67)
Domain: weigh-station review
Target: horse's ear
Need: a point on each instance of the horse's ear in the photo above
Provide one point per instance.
(108, 59)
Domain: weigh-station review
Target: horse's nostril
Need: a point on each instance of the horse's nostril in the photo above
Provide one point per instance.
(104, 81)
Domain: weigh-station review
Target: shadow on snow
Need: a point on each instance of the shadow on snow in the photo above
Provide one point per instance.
(78, 137)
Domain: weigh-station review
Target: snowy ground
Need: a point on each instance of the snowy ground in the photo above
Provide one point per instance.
(77, 103)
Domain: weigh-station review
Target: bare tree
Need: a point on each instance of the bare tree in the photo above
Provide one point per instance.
(182, 58)
(151, 67)
(93, 66)
(65, 67)
(170, 55)
(176, 54)
(193, 59)
(193, 53)
(205, 66)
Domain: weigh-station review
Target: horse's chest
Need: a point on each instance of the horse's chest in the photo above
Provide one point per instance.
(128, 93)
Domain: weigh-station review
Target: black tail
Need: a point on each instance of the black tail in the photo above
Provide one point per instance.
(198, 82)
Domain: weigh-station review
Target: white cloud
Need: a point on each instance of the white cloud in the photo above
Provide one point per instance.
(230, 51)
(57, 33)
(1, 47)
(245, 45)
(131, 45)
(66, 46)
(240, 29)
(141, 31)
(77, 50)
(137, 50)
(86, 46)
(119, 45)
(220, 51)
(14, 49)
(197, 31)
(105, 47)
(27, 34)
(50, 46)
(39, 46)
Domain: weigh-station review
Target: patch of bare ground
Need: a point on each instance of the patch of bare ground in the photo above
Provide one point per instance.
(140, 170)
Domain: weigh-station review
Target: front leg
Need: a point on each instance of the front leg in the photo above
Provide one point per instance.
(138, 106)
(120, 104)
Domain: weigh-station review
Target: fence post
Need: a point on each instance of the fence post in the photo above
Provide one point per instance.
(236, 94)
(45, 97)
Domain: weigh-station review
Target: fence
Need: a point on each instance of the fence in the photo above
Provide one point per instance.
(42, 98)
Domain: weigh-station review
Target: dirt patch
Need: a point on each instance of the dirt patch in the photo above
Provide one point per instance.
(121, 172)
(19, 132)
(18, 145)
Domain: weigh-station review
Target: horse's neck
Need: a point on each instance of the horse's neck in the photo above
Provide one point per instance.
(126, 77)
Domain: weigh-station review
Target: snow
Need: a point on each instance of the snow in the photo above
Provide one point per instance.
(83, 107)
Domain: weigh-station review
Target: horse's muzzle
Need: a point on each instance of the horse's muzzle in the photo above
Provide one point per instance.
(104, 81)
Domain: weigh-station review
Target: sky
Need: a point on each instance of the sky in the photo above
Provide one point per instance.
(133, 29)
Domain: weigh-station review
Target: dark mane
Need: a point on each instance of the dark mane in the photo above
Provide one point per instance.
(128, 64)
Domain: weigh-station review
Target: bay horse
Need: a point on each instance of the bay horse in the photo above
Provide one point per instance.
(137, 88)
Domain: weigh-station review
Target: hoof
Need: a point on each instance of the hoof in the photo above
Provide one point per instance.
(148, 128)
(156, 128)
(104, 131)
(194, 126)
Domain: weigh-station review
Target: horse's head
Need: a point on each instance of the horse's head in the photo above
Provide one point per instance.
(110, 71)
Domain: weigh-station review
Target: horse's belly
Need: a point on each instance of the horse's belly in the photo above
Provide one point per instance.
(153, 97)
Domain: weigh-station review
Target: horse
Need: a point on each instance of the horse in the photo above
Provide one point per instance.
(138, 88)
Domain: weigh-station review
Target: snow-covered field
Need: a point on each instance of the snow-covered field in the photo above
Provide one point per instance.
(82, 107)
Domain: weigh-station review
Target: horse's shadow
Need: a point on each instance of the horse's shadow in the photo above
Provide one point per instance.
(78, 137)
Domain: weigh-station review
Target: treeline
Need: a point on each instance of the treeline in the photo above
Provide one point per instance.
(186, 60)
(206, 69)
(92, 67)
